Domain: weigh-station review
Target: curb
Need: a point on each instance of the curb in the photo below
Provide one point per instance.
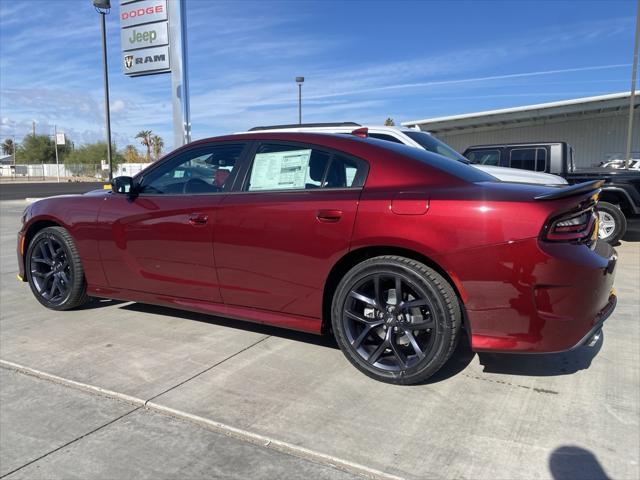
(72, 383)
(228, 430)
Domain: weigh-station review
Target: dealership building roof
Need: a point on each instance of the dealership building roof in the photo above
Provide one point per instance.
(552, 110)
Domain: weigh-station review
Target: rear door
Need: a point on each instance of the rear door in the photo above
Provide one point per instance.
(161, 241)
(277, 237)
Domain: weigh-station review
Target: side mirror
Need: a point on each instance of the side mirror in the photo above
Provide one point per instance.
(124, 185)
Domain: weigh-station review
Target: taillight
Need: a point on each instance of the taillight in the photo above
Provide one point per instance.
(572, 227)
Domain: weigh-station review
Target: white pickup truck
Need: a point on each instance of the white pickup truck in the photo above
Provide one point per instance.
(419, 139)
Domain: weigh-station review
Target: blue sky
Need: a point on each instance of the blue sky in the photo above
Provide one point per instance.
(363, 61)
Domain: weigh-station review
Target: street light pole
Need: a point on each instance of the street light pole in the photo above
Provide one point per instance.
(103, 7)
(300, 81)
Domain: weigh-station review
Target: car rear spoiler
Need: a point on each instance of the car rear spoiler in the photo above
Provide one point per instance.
(577, 189)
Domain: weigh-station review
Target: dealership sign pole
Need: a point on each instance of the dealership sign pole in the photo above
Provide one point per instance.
(153, 37)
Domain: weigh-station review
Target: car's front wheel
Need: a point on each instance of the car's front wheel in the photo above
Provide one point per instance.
(396, 319)
(54, 270)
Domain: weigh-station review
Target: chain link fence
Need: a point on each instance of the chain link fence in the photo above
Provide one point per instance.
(67, 172)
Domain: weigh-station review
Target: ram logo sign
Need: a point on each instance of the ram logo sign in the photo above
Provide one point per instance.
(147, 61)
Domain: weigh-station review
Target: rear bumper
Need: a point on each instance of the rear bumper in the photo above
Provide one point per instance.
(593, 335)
(536, 297)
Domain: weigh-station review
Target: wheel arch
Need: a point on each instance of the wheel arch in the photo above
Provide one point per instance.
(34, 227)
(352, 258)
(618, 197)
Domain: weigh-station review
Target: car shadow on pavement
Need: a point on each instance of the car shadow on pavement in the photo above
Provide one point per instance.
(570, 462)
(319, 340)
(99, 303)
(541, 365)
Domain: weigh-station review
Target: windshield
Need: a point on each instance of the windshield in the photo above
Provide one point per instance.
(432, 144)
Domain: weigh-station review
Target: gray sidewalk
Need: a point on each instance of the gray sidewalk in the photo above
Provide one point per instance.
(52, 431)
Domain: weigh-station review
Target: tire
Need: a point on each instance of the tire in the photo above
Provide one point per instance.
(54, 271)
(612, 223)
(380, 334)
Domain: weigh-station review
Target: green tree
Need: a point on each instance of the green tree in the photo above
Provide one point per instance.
(157, 144)
(145, 139)
(36, 149)
(87, 159)
(8, 146)
(389, 122)
(41, 149)
(131, 155)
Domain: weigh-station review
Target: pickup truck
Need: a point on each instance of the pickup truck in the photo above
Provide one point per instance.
(620, 195)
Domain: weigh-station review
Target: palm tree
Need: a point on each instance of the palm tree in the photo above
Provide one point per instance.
(145, 139)
(157, 143)
(130, 154)
(8, 146)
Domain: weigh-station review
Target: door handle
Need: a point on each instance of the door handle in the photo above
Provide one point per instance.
(198, 219)
(329, 216)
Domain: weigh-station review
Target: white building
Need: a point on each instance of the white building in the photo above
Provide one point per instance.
(596, 127)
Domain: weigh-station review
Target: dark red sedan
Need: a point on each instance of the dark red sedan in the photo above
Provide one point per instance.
(392, 249)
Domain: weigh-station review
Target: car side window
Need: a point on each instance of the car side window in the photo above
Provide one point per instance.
(345, 172)
(202, 170)
(524, 158)
(541, 160)
(484, 157)
(302, 167)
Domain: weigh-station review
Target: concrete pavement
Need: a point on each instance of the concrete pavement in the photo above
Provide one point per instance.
(16, 190)
(53, 431)
(572, 415)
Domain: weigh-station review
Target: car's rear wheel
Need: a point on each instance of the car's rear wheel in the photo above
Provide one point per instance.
(612, 223)
(54, 270)
(396, 319)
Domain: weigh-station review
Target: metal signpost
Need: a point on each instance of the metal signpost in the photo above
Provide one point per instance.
(59, 140)
(153, 37)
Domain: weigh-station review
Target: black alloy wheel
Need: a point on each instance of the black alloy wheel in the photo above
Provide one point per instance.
(396, 319)
(54, 270)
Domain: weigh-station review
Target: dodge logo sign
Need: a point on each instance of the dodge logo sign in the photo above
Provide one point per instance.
(128, 61)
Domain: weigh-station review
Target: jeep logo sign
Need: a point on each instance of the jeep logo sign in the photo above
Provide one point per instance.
(152, 35)
(148, 60)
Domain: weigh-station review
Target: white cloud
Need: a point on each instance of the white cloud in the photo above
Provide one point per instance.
(117, 106)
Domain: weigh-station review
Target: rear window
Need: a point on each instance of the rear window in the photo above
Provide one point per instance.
(459, 169)
(432, 144)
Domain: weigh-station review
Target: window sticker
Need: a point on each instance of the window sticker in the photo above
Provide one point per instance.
(280, 170)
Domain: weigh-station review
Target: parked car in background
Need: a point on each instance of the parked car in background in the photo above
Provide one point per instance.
(634, 164)
(620, 197)
(394, 250)
(417, 139)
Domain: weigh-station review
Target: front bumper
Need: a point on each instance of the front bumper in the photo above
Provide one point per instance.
(20, 253)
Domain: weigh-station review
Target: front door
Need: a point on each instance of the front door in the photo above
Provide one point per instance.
(160, 241)
(277, 239)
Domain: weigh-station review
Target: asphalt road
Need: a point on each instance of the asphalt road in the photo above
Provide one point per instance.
(20, 191)
(563, 416)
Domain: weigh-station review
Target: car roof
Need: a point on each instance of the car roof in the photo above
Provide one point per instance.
(347, 143)
(523, 144)
(330, 128)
